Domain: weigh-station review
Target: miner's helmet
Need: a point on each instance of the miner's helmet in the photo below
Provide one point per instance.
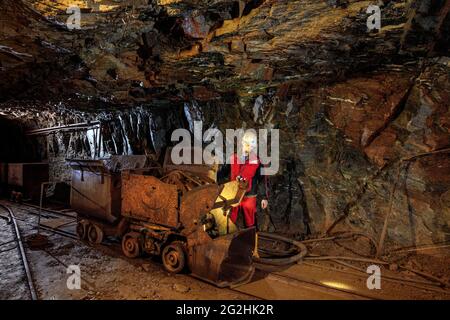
(249, 140)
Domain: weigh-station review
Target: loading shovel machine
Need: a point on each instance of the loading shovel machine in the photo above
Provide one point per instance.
(176, 212)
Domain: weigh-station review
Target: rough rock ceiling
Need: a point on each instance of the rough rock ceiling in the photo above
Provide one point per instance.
(135, 51)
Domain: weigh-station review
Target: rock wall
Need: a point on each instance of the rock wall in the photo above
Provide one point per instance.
(137, 130)
(344, 146)
(363, 116)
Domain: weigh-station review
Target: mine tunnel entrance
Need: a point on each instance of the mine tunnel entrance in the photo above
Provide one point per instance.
(23, 161)
(39, 142)
(16, 146)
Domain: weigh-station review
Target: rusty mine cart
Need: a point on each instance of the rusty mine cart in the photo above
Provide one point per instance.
(176, 212)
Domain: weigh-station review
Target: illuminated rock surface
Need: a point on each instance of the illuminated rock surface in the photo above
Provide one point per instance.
(350, 104)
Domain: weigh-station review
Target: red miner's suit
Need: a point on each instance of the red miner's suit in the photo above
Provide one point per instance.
(250, 172)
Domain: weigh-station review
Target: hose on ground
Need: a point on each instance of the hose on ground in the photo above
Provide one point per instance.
(345, 235)
(301, 251)
(278, 257)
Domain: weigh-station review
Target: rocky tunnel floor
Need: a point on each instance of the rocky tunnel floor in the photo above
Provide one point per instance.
(107, 275)
(12, 276)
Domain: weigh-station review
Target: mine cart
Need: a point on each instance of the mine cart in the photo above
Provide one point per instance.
(26, 178)
(179, 215)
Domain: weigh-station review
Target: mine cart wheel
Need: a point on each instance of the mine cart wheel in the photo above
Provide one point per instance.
(130, 245)
(173, 257)
(82, 228)
(95, 234)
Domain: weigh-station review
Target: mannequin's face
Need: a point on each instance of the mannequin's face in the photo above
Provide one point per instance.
(247, 147)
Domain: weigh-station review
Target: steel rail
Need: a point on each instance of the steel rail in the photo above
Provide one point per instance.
(57, 213)
(22, 253)
(60, 232)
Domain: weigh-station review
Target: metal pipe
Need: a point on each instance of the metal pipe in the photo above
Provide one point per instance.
(40, 203)
(346, 258)
(422, 248)
(99, 140)
(68, 127)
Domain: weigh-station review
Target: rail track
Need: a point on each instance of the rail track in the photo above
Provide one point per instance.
(265, 285)
(52, 214)
(11, 219)
(254, 290)
(266, 279)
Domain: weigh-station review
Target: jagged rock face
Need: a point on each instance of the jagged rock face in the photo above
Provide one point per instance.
(347, 144)
(132, 51)
(32, 64)
(137, 130)
(351, 105)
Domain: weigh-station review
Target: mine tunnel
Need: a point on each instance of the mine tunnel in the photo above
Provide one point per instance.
(231, 150)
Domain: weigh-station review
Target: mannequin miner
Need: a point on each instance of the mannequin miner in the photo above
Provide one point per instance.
(247, 169)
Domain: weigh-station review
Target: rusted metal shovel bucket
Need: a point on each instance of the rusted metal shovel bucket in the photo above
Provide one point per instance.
(224, 261)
